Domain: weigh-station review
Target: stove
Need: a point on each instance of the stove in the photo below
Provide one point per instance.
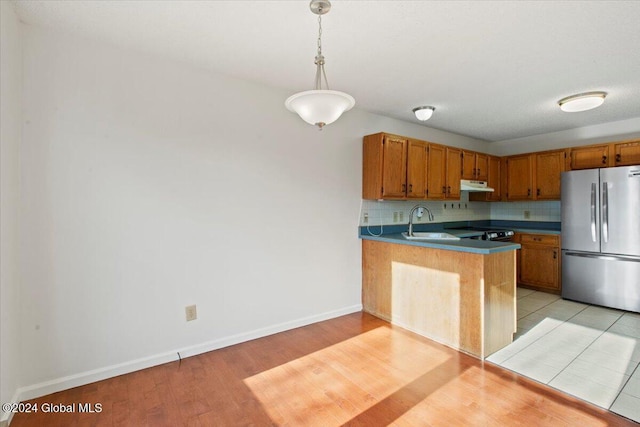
(498, 235)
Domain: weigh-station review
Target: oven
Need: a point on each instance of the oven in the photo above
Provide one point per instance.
(495, 235)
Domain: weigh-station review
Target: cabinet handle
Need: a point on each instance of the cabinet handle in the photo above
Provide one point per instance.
(538, 192)
(444, 190)
(528, 191)
(604, 160)
(474, 172)
(618, 158)
(448, 190)
(555, 255)
(404, 187)
(410, 188)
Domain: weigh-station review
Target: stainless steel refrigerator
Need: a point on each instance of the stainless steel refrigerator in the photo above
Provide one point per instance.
(601, 237)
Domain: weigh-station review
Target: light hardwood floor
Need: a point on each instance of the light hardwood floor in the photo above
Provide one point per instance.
(353, 370)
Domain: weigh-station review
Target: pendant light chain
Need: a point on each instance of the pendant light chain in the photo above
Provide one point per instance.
(320, 73)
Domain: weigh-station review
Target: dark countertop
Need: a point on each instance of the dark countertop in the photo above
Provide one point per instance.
(392, 234)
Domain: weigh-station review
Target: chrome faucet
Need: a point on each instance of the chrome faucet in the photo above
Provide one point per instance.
(415, 208)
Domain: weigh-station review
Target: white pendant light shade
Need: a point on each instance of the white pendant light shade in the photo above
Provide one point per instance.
(582, 102)
(423, 113)
(320, 107)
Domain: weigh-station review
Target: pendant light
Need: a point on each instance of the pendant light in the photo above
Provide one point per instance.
(320, 106)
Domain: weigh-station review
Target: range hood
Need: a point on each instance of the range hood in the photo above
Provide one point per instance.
(477, 186)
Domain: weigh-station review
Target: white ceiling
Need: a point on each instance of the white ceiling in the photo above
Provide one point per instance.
(493, 70)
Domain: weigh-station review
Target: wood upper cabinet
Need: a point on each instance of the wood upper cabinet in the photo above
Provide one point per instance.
(538, 262)
(627, 153)
(548, 166)
(474, 165)
(384, 169)
(453, 172)
(482, 167)
(590, 157)
(417, 169)
(520, 177)
(468, 165)
(436, 176)
(494, 180)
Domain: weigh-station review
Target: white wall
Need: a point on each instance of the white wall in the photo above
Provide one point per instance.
(594, 134)
(148, 185)
(10, 98)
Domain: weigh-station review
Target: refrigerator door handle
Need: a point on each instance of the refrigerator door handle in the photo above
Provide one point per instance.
(605, 213)
(604, 257)
(593, 211)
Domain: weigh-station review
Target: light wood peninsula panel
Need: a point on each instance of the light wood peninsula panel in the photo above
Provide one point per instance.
(460, 299)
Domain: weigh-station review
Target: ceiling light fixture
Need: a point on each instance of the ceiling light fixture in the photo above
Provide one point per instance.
(424, 113)
(320, 107)
(582, 101)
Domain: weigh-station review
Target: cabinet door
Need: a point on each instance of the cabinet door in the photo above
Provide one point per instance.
(482, 167)
(468, 165)
(417, 170)
(436, 187)
(539, 266)
(394, 167)
(627, 153)
(493, 178)
(589, 157)
(519, 177)
(454, 172)
(548, 169)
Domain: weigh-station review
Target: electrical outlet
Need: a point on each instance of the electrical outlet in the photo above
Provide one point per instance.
(527, 214)
(366, 218)
(401, 216)
(395, 217)
(190, 312)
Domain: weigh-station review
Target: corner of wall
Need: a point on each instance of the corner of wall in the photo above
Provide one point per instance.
(10, 137)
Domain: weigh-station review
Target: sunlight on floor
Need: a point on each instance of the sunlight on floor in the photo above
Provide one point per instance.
(344, 380)
(590, 352)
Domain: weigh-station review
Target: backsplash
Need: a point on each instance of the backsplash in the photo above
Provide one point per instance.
(397, 212)
(516, 211)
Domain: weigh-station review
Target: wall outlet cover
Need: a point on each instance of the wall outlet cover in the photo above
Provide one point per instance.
(190, 312)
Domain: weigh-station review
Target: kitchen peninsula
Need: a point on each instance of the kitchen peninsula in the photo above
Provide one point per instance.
(459, 293)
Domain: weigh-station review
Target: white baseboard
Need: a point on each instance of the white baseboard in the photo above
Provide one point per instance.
(82, 378)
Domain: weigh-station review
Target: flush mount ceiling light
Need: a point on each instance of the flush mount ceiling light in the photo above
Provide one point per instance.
(424, 113)
(320, 107)
(582, 101)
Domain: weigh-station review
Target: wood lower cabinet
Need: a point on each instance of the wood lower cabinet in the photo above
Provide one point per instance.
(538, 262)
(590, 157)
(627, 153)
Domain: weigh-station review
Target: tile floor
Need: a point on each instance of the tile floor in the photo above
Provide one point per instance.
(587, 351)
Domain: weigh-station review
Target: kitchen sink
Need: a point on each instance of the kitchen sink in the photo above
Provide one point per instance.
(419, 235)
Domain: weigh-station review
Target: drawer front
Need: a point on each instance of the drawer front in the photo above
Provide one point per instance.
(540, 239)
